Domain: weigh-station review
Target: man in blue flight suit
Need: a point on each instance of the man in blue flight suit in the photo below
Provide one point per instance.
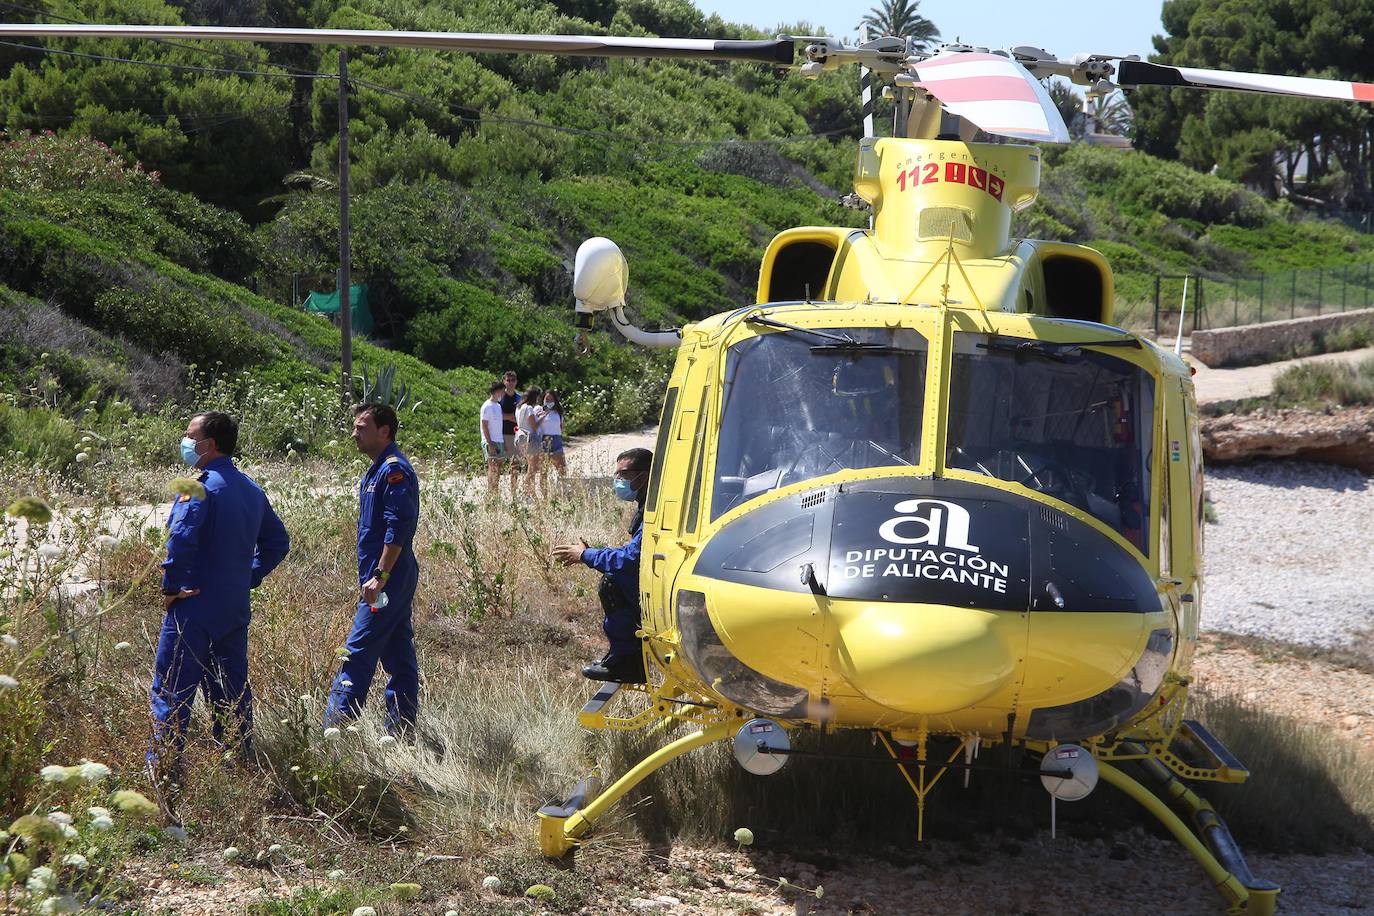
(388, 507)
(220, 546)
(619, 568)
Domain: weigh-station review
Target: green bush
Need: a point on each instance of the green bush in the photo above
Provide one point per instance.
(37, 435)
(1319, 384)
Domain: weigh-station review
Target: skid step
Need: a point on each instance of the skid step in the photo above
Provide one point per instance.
(1228, 766)
(600, 699)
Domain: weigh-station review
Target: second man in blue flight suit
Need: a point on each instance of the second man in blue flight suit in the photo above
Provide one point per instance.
(388, 508)
(619, 568)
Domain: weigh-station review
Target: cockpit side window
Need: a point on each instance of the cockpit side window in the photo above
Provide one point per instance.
(798, 406)
(1074, 424)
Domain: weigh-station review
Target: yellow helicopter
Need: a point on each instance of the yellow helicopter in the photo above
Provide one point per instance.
(922, 487)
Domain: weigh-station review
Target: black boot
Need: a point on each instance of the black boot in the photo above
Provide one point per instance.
(626, 670)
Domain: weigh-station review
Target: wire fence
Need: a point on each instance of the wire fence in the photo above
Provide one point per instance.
(1221, 302)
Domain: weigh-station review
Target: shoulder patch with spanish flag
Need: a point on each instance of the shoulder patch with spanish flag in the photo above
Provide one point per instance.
(396, 477)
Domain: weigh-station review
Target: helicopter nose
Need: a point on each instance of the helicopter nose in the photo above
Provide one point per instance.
(924, 659)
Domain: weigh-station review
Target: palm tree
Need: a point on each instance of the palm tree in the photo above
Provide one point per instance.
(1070, 105)
(902, 19)
(1113, 114)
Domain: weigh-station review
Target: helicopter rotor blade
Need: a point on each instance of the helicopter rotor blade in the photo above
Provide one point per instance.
(779, 51)
(995, 93)
(1139, 73)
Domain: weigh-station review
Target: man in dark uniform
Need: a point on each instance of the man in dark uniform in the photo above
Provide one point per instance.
(220, 545)
(619, 568)
(388, 507)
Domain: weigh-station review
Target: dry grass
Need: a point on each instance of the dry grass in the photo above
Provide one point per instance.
(500, 636)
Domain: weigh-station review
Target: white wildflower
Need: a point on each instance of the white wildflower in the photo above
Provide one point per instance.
(331, 733)
(60, 817)
(10, 642)
(94, 772)
(68, 832)
(274, 849)
(75, 860)
(82, 457)
(9, 683)
(41, 880)
(49, 551)
(97, 811)
(352, 729)
(337, 874)
(305, 698)
(230, 853)
(386, 741)
(102, 822)
(364, 911)
(64, 904)
(123, 646)
(106, 541)
(53, 773)
(491, 883)
(295, 769)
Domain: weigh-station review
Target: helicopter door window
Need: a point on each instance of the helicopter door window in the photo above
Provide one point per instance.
(1073, 424)
(799, 406)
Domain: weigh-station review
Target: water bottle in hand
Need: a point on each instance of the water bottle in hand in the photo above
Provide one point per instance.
(379, 603)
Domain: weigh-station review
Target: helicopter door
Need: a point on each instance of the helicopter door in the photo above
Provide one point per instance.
(675, 544)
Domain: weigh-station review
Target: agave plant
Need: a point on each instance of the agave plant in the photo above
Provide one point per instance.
(384, 389)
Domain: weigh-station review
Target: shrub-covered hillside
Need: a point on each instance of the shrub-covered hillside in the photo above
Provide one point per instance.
(164, 264)
(1149, 216)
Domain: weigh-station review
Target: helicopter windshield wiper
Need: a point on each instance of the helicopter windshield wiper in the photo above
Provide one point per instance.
(1059, 352)
(841, 338)
(860, 347)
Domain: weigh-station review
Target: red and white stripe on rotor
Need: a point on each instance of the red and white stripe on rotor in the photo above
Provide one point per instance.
(995, 93)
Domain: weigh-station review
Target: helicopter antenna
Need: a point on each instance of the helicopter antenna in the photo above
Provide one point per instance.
(866, 94)
(866, 86)
(1182, 313)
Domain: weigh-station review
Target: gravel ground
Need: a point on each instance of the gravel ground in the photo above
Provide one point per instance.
(1291, 553)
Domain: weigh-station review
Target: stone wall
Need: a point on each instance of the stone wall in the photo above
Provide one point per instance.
(1273, 340)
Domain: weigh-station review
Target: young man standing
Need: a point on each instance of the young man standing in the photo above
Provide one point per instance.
(493, 442)
(388, 508)
(510, 400)
(220, 545)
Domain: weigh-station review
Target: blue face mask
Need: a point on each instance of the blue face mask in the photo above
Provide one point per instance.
(623, 490)
(188, 451)
(548, 405)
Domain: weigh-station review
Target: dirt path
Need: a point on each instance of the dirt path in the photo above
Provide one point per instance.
(1217, 385)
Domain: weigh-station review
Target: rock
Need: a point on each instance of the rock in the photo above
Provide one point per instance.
(1344, 437)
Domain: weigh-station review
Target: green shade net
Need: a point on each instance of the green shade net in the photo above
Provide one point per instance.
(328, 304)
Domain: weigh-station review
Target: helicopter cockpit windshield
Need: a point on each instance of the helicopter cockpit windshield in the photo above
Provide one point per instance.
(1072, 423)
(801, 404)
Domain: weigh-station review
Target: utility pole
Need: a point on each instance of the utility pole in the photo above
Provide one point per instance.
(345, 272)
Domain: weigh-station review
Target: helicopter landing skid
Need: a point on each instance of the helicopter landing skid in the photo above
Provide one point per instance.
(562, 826)
(1219, 856)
